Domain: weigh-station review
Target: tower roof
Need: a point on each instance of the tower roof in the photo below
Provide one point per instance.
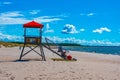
(32, 24)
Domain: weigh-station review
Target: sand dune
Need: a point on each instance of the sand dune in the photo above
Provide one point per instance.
(89, 66)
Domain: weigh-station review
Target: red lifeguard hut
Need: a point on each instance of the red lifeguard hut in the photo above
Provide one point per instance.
(37, 40)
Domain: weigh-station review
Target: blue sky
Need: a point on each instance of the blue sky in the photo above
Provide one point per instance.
(86, 22)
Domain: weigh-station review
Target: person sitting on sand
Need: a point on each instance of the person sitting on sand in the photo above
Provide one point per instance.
(63, 54)
(60, 49)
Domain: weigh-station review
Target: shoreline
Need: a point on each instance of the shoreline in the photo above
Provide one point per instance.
(89, 66)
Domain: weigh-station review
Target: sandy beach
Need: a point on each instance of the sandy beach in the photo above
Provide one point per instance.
(89, 66)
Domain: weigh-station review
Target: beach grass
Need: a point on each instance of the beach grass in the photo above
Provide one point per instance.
(10, 44)
(16, 44)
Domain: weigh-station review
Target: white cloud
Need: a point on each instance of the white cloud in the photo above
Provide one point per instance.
(70, 29)
(33, 12)
(5, 3)
(11, 14)
(17, 17)
(62, 15)
(7, 20)
(82, 30)
(56, 39)
(82, 14)
(87, 14)
(90, 14)
(46, 19)
(48, 30)
(83, 42)
(14, 17)
(6, 37)
(100, 30)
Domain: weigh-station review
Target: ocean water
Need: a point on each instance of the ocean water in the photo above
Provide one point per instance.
(114, 50)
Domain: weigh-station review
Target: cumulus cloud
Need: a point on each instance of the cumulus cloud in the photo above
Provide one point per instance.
(48, 30)
(101, 30)
(69, 29)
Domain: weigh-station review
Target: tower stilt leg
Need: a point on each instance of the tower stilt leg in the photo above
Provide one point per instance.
(22, 52)
(42, 53)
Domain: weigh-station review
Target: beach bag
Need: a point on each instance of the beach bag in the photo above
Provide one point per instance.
(69, 57)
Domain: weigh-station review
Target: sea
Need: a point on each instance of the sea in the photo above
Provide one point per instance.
(113, 50)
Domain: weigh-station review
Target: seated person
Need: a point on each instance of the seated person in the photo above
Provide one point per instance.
(60, 49)
(63, 54)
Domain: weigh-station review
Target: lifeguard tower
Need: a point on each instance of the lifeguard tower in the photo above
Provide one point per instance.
(30, 40)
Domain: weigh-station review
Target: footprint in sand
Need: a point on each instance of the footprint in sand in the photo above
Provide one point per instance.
(29, 78)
